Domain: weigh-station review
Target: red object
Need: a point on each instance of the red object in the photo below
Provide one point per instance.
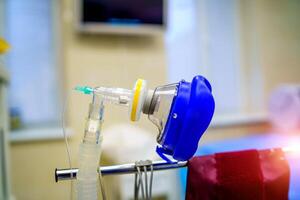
(241, 175)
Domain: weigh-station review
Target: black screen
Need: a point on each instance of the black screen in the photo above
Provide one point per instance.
(124, 12)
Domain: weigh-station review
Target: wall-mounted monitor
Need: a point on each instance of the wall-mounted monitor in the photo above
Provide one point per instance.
(121, 16)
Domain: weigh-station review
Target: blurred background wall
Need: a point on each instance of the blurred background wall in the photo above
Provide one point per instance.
(270, 35)
(271, 29)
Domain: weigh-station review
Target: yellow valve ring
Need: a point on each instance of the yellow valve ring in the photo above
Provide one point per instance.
(136, 97)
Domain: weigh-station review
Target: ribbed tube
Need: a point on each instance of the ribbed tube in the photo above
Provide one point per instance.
(87, 178)
(89, 153)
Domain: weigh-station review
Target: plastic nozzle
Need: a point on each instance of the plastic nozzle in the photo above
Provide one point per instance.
(84, 89)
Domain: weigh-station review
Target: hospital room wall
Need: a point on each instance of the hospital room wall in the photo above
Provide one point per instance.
(280, 39)
(270, 49)
(118, 61)
(270, 44)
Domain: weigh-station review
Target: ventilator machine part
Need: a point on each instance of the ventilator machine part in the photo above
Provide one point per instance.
(133, 99)
(181, 111)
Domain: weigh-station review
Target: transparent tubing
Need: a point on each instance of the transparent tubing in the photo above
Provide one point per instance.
(89, 153)
(137, 100)
(90, 148)
(118, 96)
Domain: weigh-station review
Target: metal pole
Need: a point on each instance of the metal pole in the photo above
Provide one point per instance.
(68, 174)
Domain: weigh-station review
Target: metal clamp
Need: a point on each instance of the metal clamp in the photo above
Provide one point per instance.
(146, 188)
